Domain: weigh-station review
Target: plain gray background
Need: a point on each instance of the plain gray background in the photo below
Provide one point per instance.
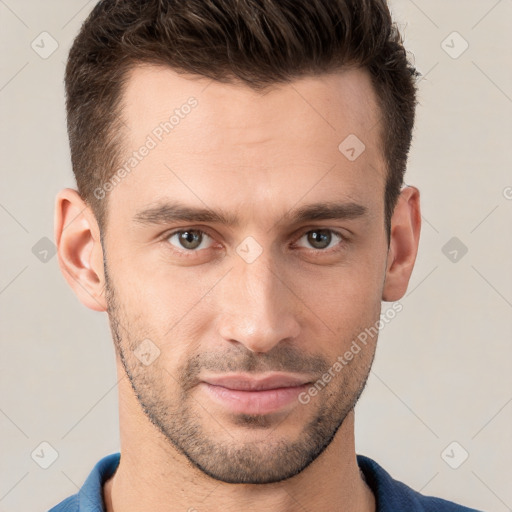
(441, 384)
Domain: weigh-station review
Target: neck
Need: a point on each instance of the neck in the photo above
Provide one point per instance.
(153, 476)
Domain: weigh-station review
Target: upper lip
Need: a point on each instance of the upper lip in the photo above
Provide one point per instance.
(256, 383)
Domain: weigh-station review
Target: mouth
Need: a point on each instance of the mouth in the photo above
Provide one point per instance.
(250, 394)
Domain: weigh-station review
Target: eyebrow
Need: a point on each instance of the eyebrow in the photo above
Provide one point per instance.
(168, 213)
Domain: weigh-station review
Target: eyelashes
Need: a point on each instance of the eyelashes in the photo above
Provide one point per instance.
(188, 242)
(190, 237)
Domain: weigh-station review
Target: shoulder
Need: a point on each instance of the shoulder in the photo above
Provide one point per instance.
(392, 495)
(68, 505)
(90, 496)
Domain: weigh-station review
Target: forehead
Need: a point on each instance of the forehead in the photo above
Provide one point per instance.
(335, 102)
(214, 141)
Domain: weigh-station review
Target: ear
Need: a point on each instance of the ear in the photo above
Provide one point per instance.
(403, 246)
(79, 250)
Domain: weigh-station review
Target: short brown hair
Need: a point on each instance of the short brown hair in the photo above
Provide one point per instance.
(255, 42)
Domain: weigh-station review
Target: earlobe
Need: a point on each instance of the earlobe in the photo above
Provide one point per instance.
(79, 250)
(403, 247)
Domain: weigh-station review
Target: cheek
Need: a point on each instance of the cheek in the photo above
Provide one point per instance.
(345, 299)
(342, 293)
(163, 309)
(158, 292)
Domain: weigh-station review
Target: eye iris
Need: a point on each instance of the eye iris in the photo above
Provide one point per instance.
(190, 239)
(320, 239)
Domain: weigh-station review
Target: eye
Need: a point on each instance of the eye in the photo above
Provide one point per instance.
(322, 239)
(189, 239)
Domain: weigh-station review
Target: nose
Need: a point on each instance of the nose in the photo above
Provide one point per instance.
(259, 309)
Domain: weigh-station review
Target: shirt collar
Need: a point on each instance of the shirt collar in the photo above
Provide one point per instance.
(389, 493)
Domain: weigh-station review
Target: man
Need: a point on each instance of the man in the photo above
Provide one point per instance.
(240, 216)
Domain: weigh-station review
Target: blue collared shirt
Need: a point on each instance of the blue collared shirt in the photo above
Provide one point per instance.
(390, 495)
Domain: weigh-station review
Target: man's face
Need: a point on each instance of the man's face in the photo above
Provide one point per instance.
(270, 294)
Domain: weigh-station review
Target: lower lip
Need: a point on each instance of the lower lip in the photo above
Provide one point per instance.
(254, 402)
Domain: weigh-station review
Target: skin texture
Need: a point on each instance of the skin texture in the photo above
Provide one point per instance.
(295, 308)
